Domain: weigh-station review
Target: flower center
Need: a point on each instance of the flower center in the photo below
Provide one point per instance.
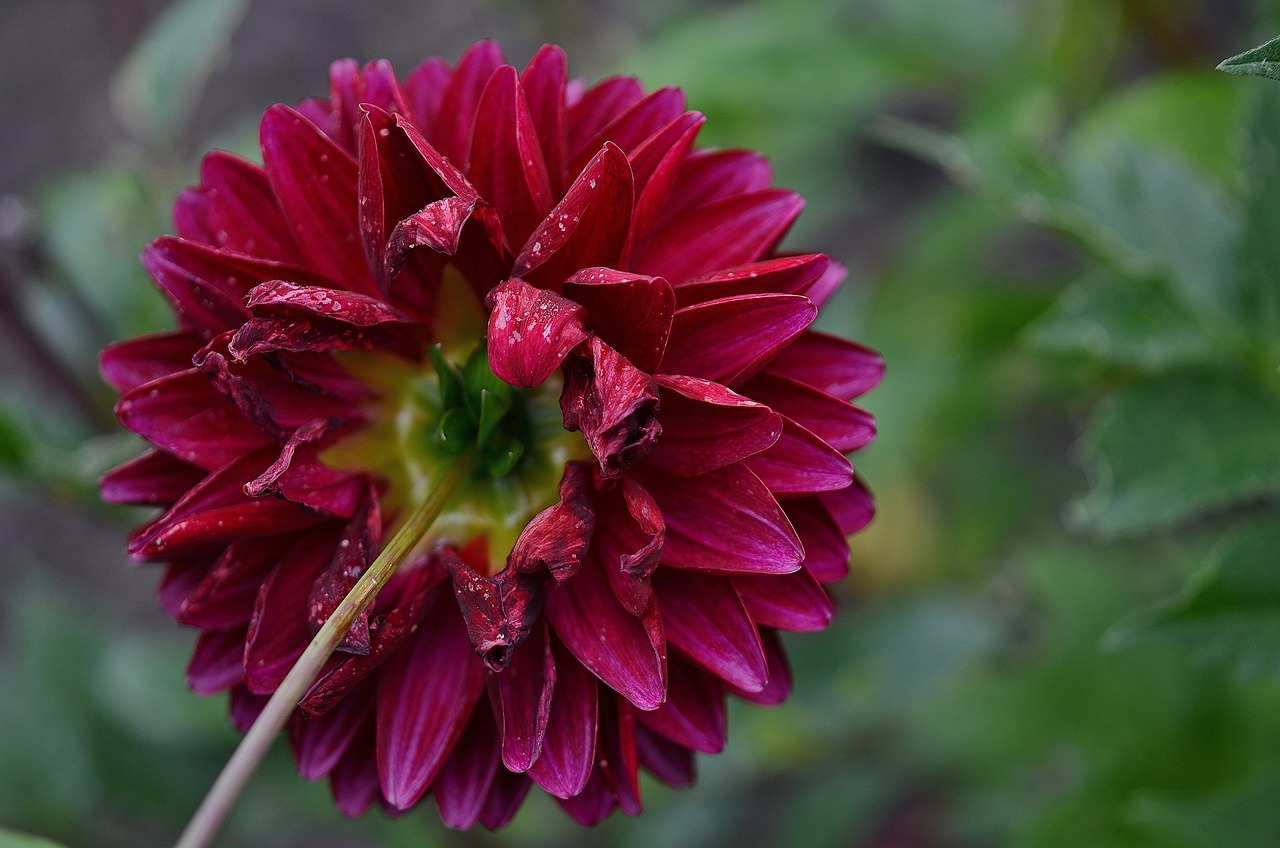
(425, 414)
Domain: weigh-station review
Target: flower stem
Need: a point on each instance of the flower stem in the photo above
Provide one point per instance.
(205, 824)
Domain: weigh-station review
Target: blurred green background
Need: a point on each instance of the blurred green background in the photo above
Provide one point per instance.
(1061, 225)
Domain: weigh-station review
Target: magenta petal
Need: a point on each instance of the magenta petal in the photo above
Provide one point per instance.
(320, 741)
(315, 180)
(422, 90)
(825, 546)
(655, 165)
(594, 803)
(506, 164)
(631, 312)
(800, 463)
(706, 619)
(588, 228)
(243, 216)
(505, 796)
(707, 176)
(181, 577)
(355, 551)
(569, 749)
(245, 707)
(354, 781)
(277, 633)
(783, 275)
(672, 763)
(830, 364)
(843, 426)
(543, 82)
(278, 298)
(613, 403)
(694, 714)
(618, 753)
(629, 542)
(639, 122)
(779, 685)
(531, 331)
(706, 426)
(127, 365)
(450, 130)
(598, 107)
(425, 695)
(217, 661)
(795, 602)
(226, 595)
(852, 507)
(729, 340)
(628, 653)
(462, 787)
(556, 539)
(523, 700)
(724, 521)
(728, 232)
(499, 611)
(153, 479)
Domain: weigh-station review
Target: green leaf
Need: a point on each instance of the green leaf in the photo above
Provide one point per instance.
(157, 90)
(1124, 322)
(1228, 614)
(1242, 816)
(1176, 447)
(1262, 61)
(11, 839)
(1259, 248)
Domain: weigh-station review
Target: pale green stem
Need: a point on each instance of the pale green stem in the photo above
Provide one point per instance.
(205, 824)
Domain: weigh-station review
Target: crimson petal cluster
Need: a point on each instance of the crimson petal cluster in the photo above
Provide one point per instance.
(618, 264)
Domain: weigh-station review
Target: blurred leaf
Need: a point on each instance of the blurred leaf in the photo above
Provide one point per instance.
(1263, 61)
(1230, 613)
(1177, 446)
(1243, 816)
(1259, 249)
(1124, 322)
(10, 839)
(157, 90)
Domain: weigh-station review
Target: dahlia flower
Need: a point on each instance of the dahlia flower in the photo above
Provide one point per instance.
(540, 301)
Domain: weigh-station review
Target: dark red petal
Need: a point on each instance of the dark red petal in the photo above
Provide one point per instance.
(617, 747)
(506, 164)
(783, 275)
(779, 685)
(543, 82)
(839, 424)
(728, 232)
(180, 579)
(505, 796)
(706, 426)
(464, 228)
(279, 631)
(706, 619)
(315, 181)
(320, 741)
(191, 217)
(153, 479)
(278, 298)
(350, 87)
(450, 130)
(354, 781)
(693, 715)
(672, 763)
(245, 707)
(308, 335)
(226, 595)
(499, 611)
(628, 653)
(825, 286)
(729, 340)
(531, 331)
(217, 662)
(184, 415)
(825, 547)
(631, 312)
(569, 749)
(629, 542)
(422, 90)
(800, 463)
(640, 121)
(830, 364)
(598, 107)
(724, 521)
(594, 803)
(425, 695)
(462, 787)
(521, 694)
(852, 507)
(655, 166)
(242, 213)
(795, 602)
(127, 365)
(613, 403)
(588, 228)
(557, 538)
(355, 551)
(711, 175)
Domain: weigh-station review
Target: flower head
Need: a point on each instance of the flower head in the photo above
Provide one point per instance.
(550, 283)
